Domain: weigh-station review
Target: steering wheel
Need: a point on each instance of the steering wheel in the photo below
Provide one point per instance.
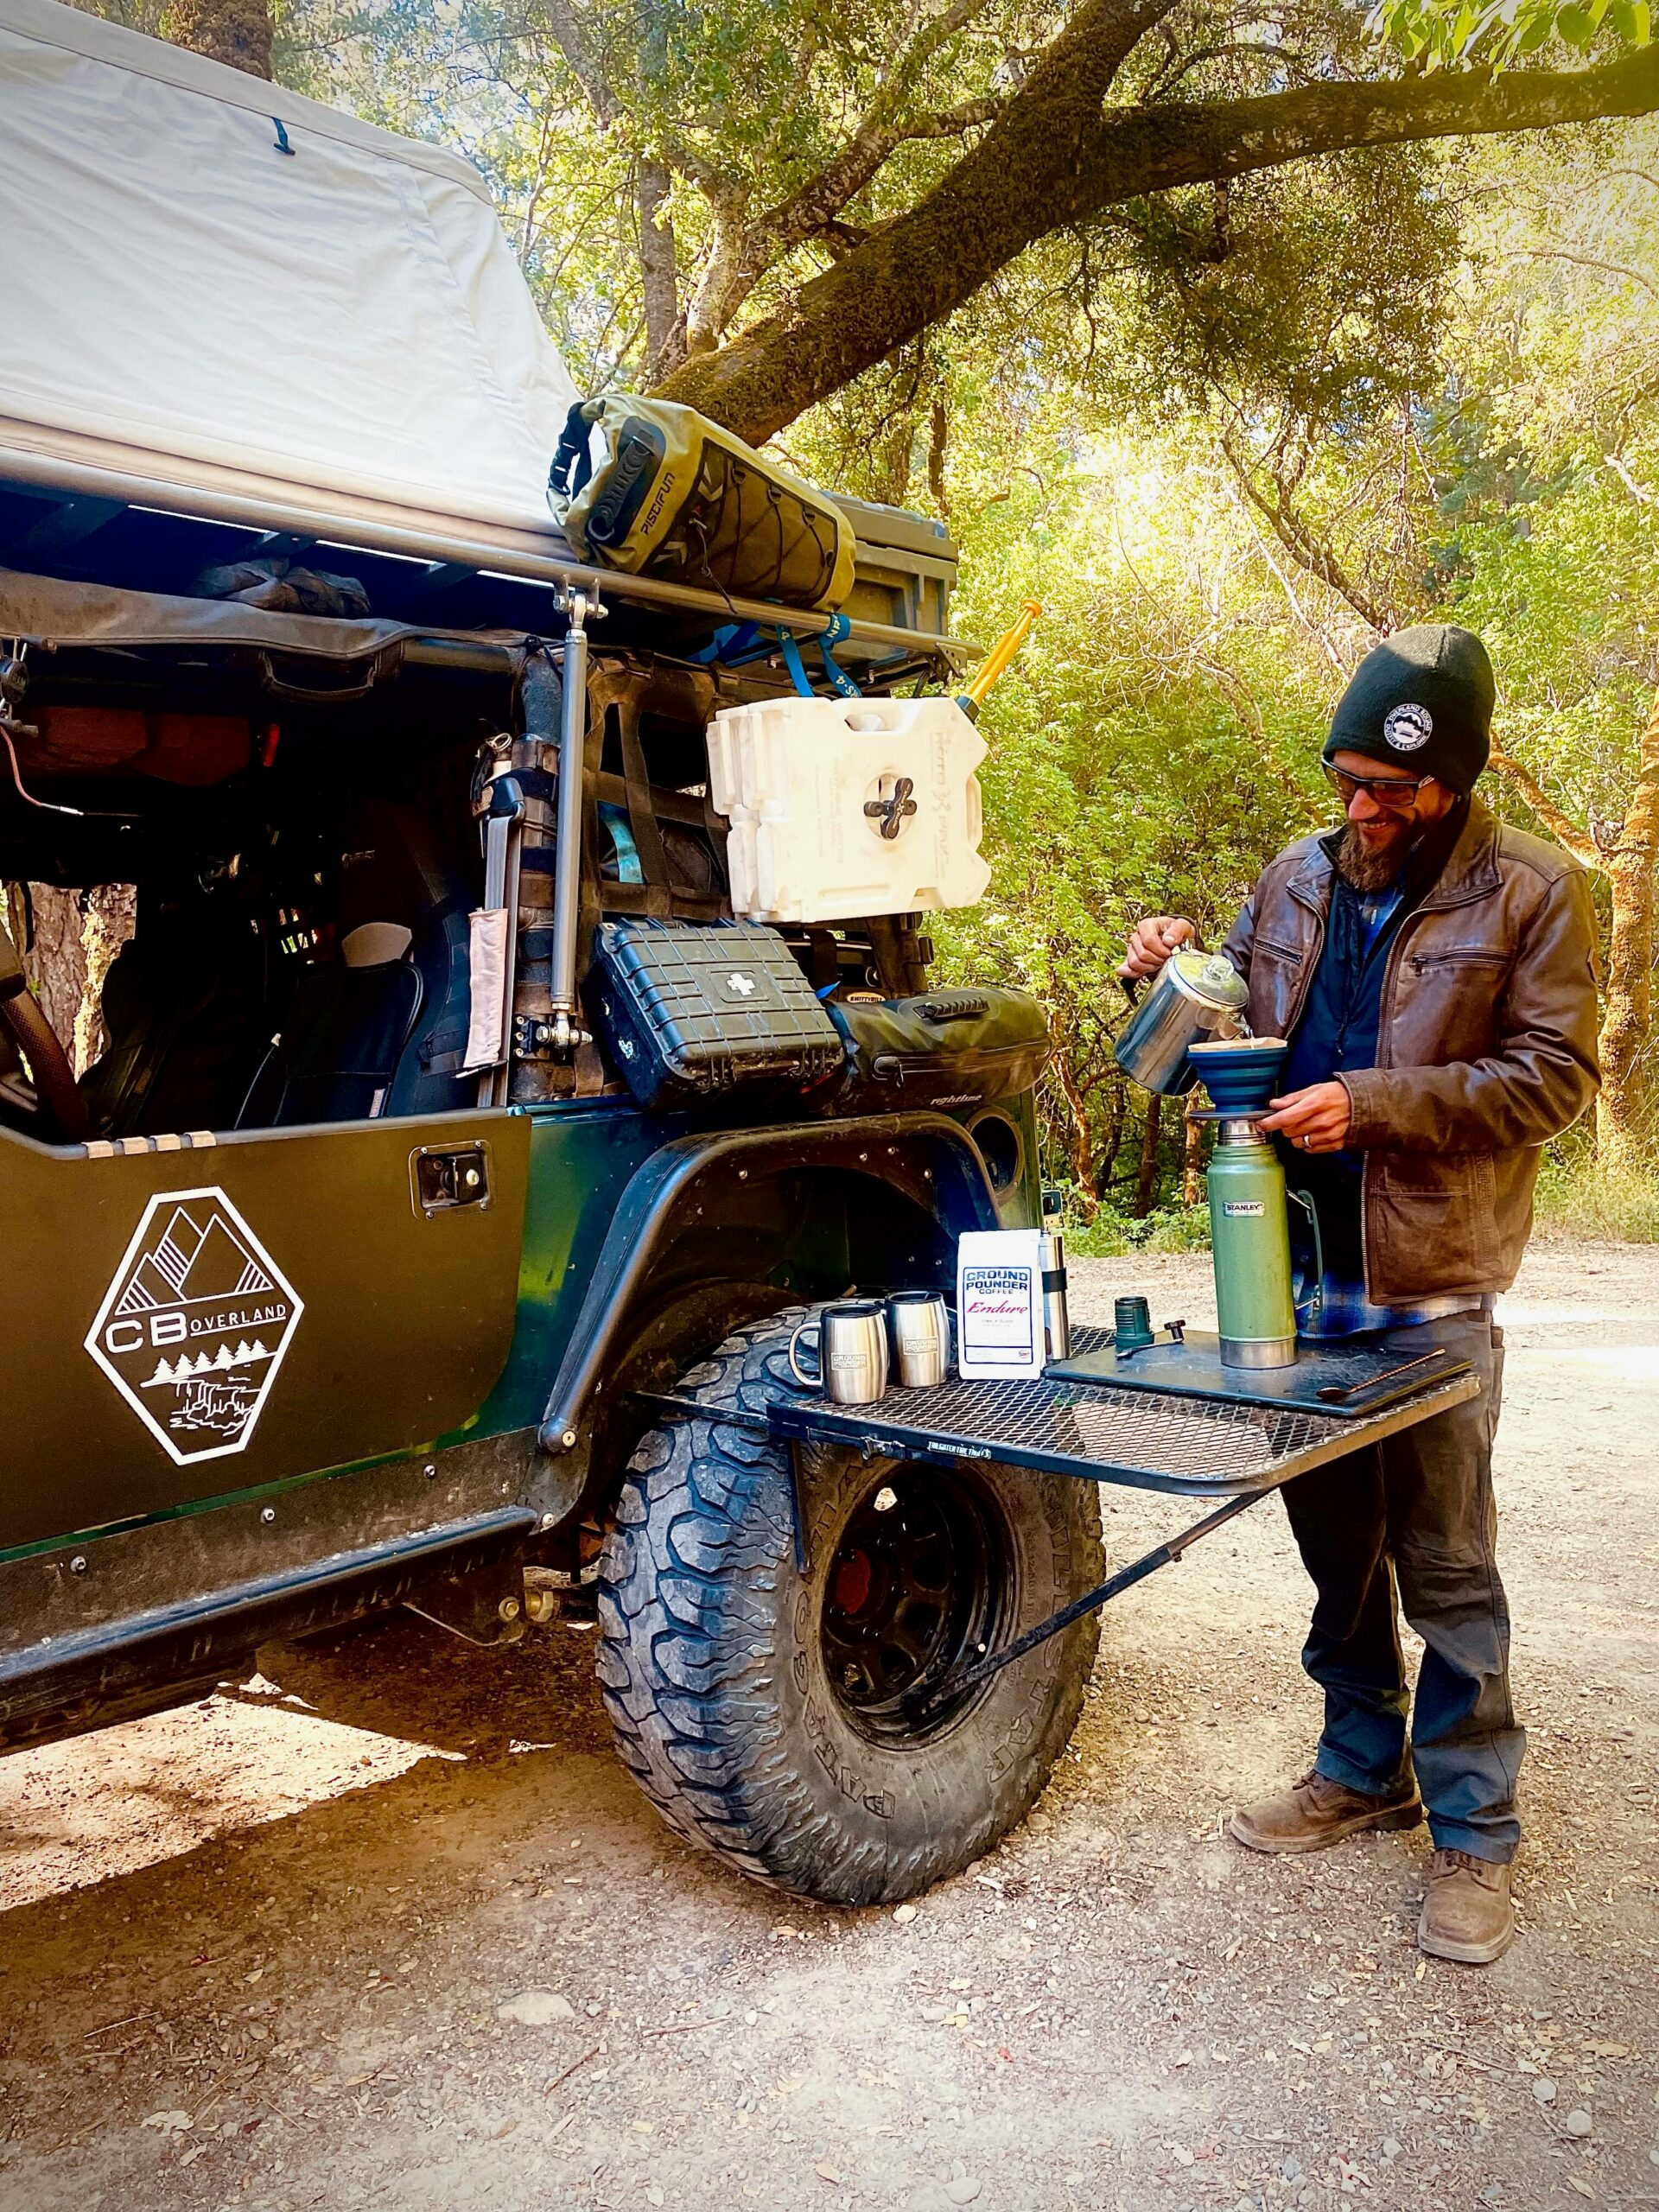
(58, 1102)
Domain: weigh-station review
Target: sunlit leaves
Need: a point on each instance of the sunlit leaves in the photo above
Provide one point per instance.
(1443, 34)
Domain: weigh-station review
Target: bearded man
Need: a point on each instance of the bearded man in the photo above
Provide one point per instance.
(1434, 972)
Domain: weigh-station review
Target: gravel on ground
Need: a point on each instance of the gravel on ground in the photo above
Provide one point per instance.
(386, 1924)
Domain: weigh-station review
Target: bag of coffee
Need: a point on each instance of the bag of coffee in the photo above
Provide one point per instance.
(999, 1303)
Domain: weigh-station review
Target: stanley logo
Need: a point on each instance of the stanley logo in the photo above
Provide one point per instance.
(195, 1325)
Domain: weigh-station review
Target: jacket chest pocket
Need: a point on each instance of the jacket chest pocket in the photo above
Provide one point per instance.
(1445, 1007)
(1275, 985)
(1455, 957)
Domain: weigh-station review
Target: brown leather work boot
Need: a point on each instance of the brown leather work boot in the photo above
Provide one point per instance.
(1467, 1915)
(1316, 1811)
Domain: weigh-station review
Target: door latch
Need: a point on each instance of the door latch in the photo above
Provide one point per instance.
(445, 1177)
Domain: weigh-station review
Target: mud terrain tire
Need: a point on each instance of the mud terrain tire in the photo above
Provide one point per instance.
(763, 1711)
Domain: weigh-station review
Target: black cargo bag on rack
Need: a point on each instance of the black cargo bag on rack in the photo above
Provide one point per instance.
(688, 1010)
(950, 1049)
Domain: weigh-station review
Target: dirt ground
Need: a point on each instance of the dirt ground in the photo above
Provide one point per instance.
(387, 1925)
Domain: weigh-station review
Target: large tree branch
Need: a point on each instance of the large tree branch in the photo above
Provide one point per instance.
(1038, 142)
(730, 276)
(1051, 159)
(658, 277)
(1560, 825)
(824, 195)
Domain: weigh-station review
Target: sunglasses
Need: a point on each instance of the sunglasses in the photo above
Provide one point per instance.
(1397, 793)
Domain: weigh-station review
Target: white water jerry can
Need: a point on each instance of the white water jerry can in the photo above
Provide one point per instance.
(842, 808)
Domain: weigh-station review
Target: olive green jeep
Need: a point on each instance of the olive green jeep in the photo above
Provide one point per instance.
(307, 1315)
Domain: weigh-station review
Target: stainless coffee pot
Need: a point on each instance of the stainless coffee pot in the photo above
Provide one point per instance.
(1195, 996)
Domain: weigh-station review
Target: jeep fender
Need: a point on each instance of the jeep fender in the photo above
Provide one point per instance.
(694, 1184)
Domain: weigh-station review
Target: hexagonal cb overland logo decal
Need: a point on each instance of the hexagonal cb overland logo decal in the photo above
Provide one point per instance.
(195, 1325)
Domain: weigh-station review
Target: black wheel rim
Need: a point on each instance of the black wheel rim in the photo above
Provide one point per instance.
(914, 1593)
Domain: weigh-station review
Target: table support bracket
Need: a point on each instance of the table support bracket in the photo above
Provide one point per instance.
(1164, 1555)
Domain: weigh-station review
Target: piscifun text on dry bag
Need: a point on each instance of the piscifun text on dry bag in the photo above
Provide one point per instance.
(655, 488)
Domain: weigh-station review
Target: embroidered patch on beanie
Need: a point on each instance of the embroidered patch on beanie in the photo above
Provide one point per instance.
(1408, 726)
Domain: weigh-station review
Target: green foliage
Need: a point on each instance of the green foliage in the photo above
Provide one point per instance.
(1318, 289)
(1442, 34)
(1578, 1199)
(1112, 1234)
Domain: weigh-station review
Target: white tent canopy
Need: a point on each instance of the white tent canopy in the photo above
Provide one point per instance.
(340, 326)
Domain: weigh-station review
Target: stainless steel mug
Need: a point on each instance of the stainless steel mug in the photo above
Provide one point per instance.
(852, 1353)
(918, 1323)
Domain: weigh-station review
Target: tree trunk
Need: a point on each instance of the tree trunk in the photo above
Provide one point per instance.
(1117, 1108)
(1192, 1161)
(1057, 155)
(74, 945)
(1076, 1135)
(54, 960)
(938, 428)
(1146, 1183)
(112, 917)
(238, 32)
(664, 335)
(1622, 1111)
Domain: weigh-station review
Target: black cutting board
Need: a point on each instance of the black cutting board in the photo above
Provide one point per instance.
(1376, 1374)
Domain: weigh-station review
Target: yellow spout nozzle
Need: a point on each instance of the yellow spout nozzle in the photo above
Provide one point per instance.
(1001, 654)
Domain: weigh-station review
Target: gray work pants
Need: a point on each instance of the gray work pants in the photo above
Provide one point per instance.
(1415, 1516)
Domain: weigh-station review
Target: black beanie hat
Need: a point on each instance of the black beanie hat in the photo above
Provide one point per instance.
(1422, 699)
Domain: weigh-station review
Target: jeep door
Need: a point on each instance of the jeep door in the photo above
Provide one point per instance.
(187, 1318)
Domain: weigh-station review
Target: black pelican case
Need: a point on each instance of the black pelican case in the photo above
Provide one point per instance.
(687, 1010)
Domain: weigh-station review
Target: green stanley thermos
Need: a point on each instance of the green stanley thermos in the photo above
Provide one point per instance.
(1249, 1234)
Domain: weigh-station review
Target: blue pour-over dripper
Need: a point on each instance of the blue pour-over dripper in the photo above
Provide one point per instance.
(1241, 1074)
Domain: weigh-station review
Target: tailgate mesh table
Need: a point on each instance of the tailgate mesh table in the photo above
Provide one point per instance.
(1099, 1432)
(1191, 1446)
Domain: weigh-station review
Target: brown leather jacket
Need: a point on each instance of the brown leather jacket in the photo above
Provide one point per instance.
(1487, 1046)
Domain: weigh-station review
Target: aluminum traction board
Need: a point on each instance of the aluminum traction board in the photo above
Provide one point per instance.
(1142, 1439)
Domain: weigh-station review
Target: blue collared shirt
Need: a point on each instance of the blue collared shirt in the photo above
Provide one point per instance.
(1338, 1030)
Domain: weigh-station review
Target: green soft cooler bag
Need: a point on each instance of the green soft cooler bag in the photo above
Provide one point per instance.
(655, 488)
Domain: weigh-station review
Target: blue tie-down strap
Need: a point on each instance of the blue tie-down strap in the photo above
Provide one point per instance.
(739, 642)
(839, 627)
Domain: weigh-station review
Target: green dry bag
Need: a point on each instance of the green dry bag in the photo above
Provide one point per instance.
(655, 488)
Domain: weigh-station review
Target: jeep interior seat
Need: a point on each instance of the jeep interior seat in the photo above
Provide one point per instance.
(382, 1028)
(186, 1012)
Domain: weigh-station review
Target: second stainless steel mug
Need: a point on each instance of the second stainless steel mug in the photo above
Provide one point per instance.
(852, 1353)
(919, 1324)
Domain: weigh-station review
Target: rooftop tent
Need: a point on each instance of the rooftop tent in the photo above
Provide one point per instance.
(210, 283)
